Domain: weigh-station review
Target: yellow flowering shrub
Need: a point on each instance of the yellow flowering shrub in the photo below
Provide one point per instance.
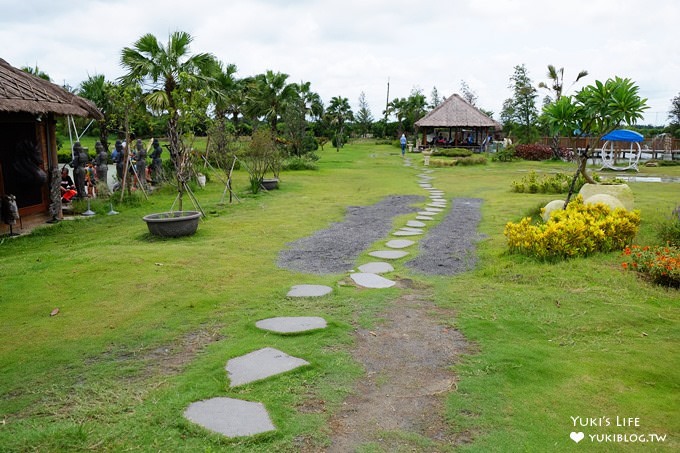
(579, 230)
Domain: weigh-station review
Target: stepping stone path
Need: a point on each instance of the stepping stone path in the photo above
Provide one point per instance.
(291, 324)
(376, 267)
(399, 243)
(230, 417)
(309, 291)
(233, 417)
(368, 280)
(259, 365)
(389, 254)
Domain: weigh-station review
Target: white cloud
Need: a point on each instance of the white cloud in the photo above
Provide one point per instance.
(346, 47)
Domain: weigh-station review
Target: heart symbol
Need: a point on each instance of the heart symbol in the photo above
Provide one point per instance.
(577, 437)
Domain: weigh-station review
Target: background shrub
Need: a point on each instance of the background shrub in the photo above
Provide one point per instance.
(453, 152)
(557, 183)
(533, 152)
(668, 229)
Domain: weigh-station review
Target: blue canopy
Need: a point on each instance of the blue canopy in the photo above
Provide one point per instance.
(623, 135)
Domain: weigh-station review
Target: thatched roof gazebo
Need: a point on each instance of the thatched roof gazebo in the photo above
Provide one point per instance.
(28, 145)
(458, 122)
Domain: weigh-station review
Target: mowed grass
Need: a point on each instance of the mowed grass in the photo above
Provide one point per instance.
(146, 325)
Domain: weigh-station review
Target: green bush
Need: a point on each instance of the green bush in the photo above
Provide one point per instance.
(472, 160)
(579, 230)
(301, 163)
(660, 264)
(668, 229)
(505, 154)
(453, 152)
(557, 183)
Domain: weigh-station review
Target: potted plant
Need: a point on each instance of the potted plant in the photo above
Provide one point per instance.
(172, 74)
(262, 157)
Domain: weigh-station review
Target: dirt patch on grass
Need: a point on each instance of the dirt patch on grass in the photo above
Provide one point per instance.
(399, 404)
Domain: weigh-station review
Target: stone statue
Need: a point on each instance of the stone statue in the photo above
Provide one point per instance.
(156, 162)
(140, 166)
(101, 161)
(118, 158)
(80, 159)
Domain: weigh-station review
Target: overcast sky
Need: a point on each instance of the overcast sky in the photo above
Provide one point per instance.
(344, 47)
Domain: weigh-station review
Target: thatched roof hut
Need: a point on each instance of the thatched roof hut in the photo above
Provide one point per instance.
(29, 170)
(23, 92)
(461, 120)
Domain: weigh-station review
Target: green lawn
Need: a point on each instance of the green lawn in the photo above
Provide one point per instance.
(146, 325)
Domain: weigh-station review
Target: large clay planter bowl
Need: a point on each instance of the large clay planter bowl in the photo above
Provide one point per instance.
(270, 183)
(173, 224)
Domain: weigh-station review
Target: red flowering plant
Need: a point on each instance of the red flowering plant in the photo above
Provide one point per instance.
(660, 264)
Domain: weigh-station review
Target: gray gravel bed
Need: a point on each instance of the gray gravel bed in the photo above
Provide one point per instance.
(449, 247)
(335, 249)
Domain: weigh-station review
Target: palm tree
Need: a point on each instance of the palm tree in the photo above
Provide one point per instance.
(556, 77)
(270, 95)
(172, 72)
(339, 112)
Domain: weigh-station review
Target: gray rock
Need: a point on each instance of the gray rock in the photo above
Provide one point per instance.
(259, 365)
(293, 324)
(368, 280)
(389, 254)
(399, 243)
(230, 417)
(309, 291)
(376, 267)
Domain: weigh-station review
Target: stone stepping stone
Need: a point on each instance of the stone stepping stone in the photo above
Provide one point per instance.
(230, 417)
(417, 230)
(423, 176)
(437, 210)
(437, 205)
(437, 192)
(309, 291)
(425, 185)
(415, 223)
(376, 267)
(406, 233)
(368, 280)
(428, 213)
(292, 324)
(424, 217)
(428, 171)
(259, 365)
(389, 254)
(399, 243)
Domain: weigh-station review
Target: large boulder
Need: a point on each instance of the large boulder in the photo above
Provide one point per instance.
(554, 205)
(610, 201)
(619, 191)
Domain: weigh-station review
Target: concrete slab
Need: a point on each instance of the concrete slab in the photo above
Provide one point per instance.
(368, 280)
(399, 243)
(437, 205)
(376, 267)
(406, 233)
(425, 185)
(429, 213)
(424, 176)
(424, 217)
(417, 230)
(230, 417)
(430, 209)
(259, 365)
(389, 254)
(291, 324)
(309, 291)
(415, 223)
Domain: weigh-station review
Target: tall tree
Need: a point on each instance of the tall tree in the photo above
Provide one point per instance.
(467, 94)
(435, 99)
(364, 118)
(339, 113)
(98, 90)
(519, 114)
(674, 114)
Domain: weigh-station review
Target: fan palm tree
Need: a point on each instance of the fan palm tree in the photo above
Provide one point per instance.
(339, 112)
(270, 95)
(172, 72)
